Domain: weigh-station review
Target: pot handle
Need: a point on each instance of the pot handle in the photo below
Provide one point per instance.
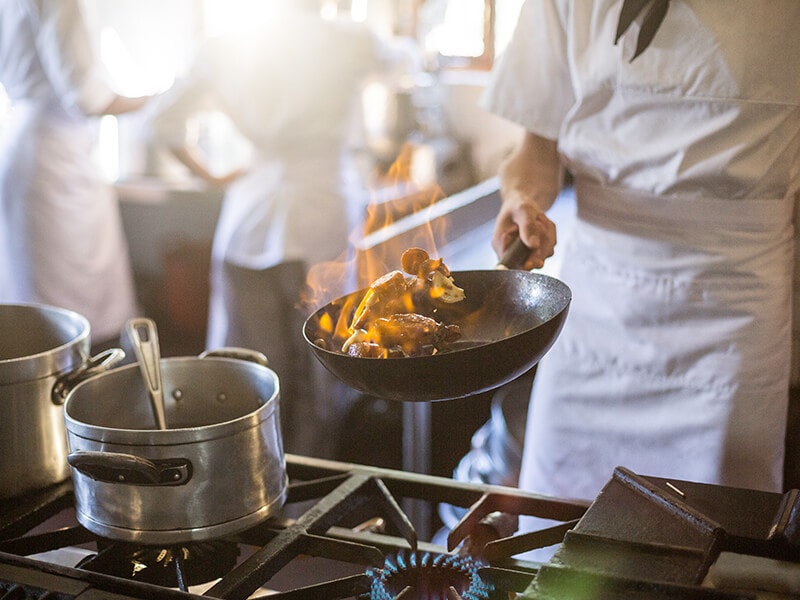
(238, 353)
(113, 467)
(96, 364)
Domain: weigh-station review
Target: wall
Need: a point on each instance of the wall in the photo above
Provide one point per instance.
(796, 282)
(490, 138)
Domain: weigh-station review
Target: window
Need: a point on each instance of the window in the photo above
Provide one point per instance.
(454, 34)
(465, 34)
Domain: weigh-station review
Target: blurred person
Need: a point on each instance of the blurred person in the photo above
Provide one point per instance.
(61, 236)
(291, 88)
(675, 357)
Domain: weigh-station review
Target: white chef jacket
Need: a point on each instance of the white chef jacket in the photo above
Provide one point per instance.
(674, 360)
(61, 237)
(302, 194)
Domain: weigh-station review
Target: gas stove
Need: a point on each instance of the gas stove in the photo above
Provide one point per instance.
(649, 537)
(344, 532)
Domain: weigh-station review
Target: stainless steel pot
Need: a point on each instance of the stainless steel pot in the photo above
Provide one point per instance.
(217, 469)
(43, 349)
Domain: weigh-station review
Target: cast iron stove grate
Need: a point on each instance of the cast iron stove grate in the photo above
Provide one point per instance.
(653, 538)
(347, 518)
(344, 526)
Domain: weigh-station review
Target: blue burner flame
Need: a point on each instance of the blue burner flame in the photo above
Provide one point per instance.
(429, 575)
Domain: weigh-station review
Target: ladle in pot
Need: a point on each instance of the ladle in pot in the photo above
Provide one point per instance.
(144, 336)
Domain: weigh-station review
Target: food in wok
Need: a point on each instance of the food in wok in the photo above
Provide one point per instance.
(508, 320)
(396, 315)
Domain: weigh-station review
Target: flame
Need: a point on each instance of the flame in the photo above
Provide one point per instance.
(394, 199)
(326, 281)
(392, 227)
(342, 329)
(429, 576)
(396, 218)
(326, 324)
(400, 169)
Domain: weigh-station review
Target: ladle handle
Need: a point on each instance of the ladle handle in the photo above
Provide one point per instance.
(144, 335)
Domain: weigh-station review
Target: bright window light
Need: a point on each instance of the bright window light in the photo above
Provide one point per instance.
(461, 32)
(223, 16)
(358, 11)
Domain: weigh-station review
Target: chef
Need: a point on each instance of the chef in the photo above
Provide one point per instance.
(290, 86)
(675, 357)
(61, 237)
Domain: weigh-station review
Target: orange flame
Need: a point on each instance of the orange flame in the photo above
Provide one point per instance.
(394, 198)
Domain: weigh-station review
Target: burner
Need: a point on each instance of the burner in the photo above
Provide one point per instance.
(174, 566)
(429, 576)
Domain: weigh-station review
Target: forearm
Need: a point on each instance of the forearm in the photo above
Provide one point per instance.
(198, 167)
(125, 104)
(191, 161)
(532, 173)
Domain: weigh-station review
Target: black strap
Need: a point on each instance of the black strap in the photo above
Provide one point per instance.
(631, 9)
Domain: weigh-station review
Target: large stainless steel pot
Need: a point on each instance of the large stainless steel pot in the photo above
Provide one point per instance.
(217, 469)
(42, 350)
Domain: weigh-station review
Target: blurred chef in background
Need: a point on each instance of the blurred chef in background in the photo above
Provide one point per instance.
(291, 87)
(61, 237)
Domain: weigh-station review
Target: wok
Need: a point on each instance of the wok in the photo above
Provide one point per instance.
(508, 321)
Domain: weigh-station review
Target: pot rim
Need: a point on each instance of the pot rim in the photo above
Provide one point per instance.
(177, 435)
(53, 361)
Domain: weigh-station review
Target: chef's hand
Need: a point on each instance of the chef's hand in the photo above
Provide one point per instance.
(525, 220)
(530, 181)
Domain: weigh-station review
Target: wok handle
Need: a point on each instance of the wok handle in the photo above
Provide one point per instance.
(514, 256)
(113, 467)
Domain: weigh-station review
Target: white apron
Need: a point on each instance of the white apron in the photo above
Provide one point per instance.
(63, 239)
(672, 360)
(285, 215)
(295, 207)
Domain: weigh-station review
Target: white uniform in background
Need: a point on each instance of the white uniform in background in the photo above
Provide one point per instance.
(61, 237)
(290, 88)
(674, 360)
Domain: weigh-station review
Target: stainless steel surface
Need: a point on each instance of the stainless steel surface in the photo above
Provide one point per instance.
(417, 457)
(389, 128)
(218, 469)
(38, 345)
(144, 336)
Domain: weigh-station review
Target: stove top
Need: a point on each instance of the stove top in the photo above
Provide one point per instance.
(345, 533)
(648, 537)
